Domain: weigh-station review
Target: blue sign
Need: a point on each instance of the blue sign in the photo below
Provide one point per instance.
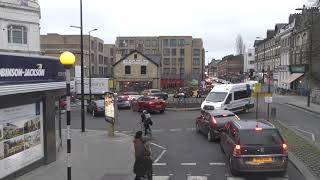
(248, 87)
(25, 70)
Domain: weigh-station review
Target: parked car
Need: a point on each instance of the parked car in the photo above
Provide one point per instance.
(252, 146)
(96, 107)
(132, 95)
(124, 102)
(155, 92)
(211, 123)
(149, 103)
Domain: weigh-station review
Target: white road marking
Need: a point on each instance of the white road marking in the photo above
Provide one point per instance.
(207, 174)
(190, 129)
(197, 177)
(170, 174)
(160, 177)
(235, 178)
(158, 146)
(175, 130)
(159, 130)
(160, 156)
(217, 164)
(312, 135)
(188, 164)
(159, 164)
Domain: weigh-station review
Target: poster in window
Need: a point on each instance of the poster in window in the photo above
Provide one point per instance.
(21, 137)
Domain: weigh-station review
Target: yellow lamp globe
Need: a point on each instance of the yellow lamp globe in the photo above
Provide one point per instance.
(67, 58)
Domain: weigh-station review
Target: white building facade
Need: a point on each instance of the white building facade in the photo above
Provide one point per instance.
(20, 26)
(248, 63)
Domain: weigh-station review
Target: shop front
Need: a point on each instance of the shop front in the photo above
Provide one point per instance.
(296, 80)
(30, 119)
(136, 72)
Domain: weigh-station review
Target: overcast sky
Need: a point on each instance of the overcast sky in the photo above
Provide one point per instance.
(217, 22)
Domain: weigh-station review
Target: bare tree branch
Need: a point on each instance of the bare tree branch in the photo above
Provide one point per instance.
(240, 47)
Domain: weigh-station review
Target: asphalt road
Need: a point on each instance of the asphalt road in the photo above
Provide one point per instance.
(179, 152)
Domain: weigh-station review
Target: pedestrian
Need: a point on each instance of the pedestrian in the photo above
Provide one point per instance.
(147, 122)
(143, 161)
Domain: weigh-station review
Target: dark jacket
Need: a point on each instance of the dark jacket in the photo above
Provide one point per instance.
(143, 162)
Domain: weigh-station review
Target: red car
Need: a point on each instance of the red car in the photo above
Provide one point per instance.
(149, 103)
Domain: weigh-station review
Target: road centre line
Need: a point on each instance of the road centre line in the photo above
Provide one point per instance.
(158, 146)
(217, 164)
(159, 164)
(197, 178)
(159, 157)
(175, 130)
(188, 164)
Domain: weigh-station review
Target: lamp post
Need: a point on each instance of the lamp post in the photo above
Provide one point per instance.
(90, 63)
(68, 60)
(312, 9)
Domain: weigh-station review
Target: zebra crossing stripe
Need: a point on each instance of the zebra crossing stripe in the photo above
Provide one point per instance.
(217, 164)
(197, 178)
(161, 177)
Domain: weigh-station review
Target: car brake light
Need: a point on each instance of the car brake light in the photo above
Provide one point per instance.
(285, 148)
(237, 150)
(258, 129)
(237, 117)
(151, 103)
(214, 121)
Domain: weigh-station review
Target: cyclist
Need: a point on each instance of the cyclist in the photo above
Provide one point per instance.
(147, 122)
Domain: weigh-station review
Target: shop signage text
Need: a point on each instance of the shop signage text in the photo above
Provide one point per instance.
(139, 62)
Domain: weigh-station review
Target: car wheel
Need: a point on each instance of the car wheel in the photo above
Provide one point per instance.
(232, 170)
(162, 111)
(210, 136)
(197, 128)
(221, 148)
(93, 113)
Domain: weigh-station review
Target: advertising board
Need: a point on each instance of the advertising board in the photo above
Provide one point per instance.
(21, 137)
(98, 85)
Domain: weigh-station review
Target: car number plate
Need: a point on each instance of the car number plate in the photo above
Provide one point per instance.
(262, 160)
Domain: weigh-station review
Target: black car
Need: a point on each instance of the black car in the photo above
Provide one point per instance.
(96, 107)
(254, 146)
(211, 123)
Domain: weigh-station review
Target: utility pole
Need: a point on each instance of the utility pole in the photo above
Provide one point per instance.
(82, 78)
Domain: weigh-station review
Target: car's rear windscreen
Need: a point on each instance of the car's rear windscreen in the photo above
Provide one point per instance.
(260, 137)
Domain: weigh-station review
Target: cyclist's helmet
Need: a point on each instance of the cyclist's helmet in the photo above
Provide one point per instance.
(144, 111)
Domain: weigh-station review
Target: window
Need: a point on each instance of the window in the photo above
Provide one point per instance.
(249, 54)
(111, 51)
(196, 61)
(105, 70)
(216, 96)
(154, 51)
(131, 42)
(105, 60)
(111, 60)
(165, 42)
(92, 44)
(173, 71)
(100, 47)
(148, 43)
(123, 43)
(229, 98)
(181, 70)
(100, 70)
(127, 69)
(135, 56)
(100, 59)
(154, 43)
(166, 52)
(92, 70)
(143, 70)
(140, 41)
(181, 61)
(265, 137)
(196, 52)
(181, 42)
(196, 70)
(173, 52)
(166, 71)
(173, 61)
(17, 34)
(241, 94)
(182, 52)
(173, 42)
(166, 61)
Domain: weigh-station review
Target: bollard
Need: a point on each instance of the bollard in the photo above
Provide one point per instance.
(273, 113)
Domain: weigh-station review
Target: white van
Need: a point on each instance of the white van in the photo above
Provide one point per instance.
(232, 97)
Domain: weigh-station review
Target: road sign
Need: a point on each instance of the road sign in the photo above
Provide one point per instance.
(268, 99)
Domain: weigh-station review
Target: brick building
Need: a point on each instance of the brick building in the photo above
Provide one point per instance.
(230, 68)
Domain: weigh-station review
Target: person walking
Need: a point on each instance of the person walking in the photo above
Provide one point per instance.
(143, 160)
(147, 122)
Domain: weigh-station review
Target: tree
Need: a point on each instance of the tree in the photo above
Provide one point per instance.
(240, 47)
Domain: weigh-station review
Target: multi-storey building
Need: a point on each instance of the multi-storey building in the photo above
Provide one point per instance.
(181, 57)
(212, 68)
(19, 26)
(55, 44)
(231, 68)
(109, 58)
(248, 61)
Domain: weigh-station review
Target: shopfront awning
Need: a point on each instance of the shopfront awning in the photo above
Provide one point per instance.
(292, 77)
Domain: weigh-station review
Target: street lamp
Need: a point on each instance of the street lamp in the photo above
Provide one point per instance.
(68, 59)
(310, 52)
(90, 63)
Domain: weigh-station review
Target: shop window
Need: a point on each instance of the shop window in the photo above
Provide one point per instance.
(143, 70)
(127, 69)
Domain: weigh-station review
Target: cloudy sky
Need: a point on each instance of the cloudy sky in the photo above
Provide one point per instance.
(217, 22)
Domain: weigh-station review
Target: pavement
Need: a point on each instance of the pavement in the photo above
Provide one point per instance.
(95, 156)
